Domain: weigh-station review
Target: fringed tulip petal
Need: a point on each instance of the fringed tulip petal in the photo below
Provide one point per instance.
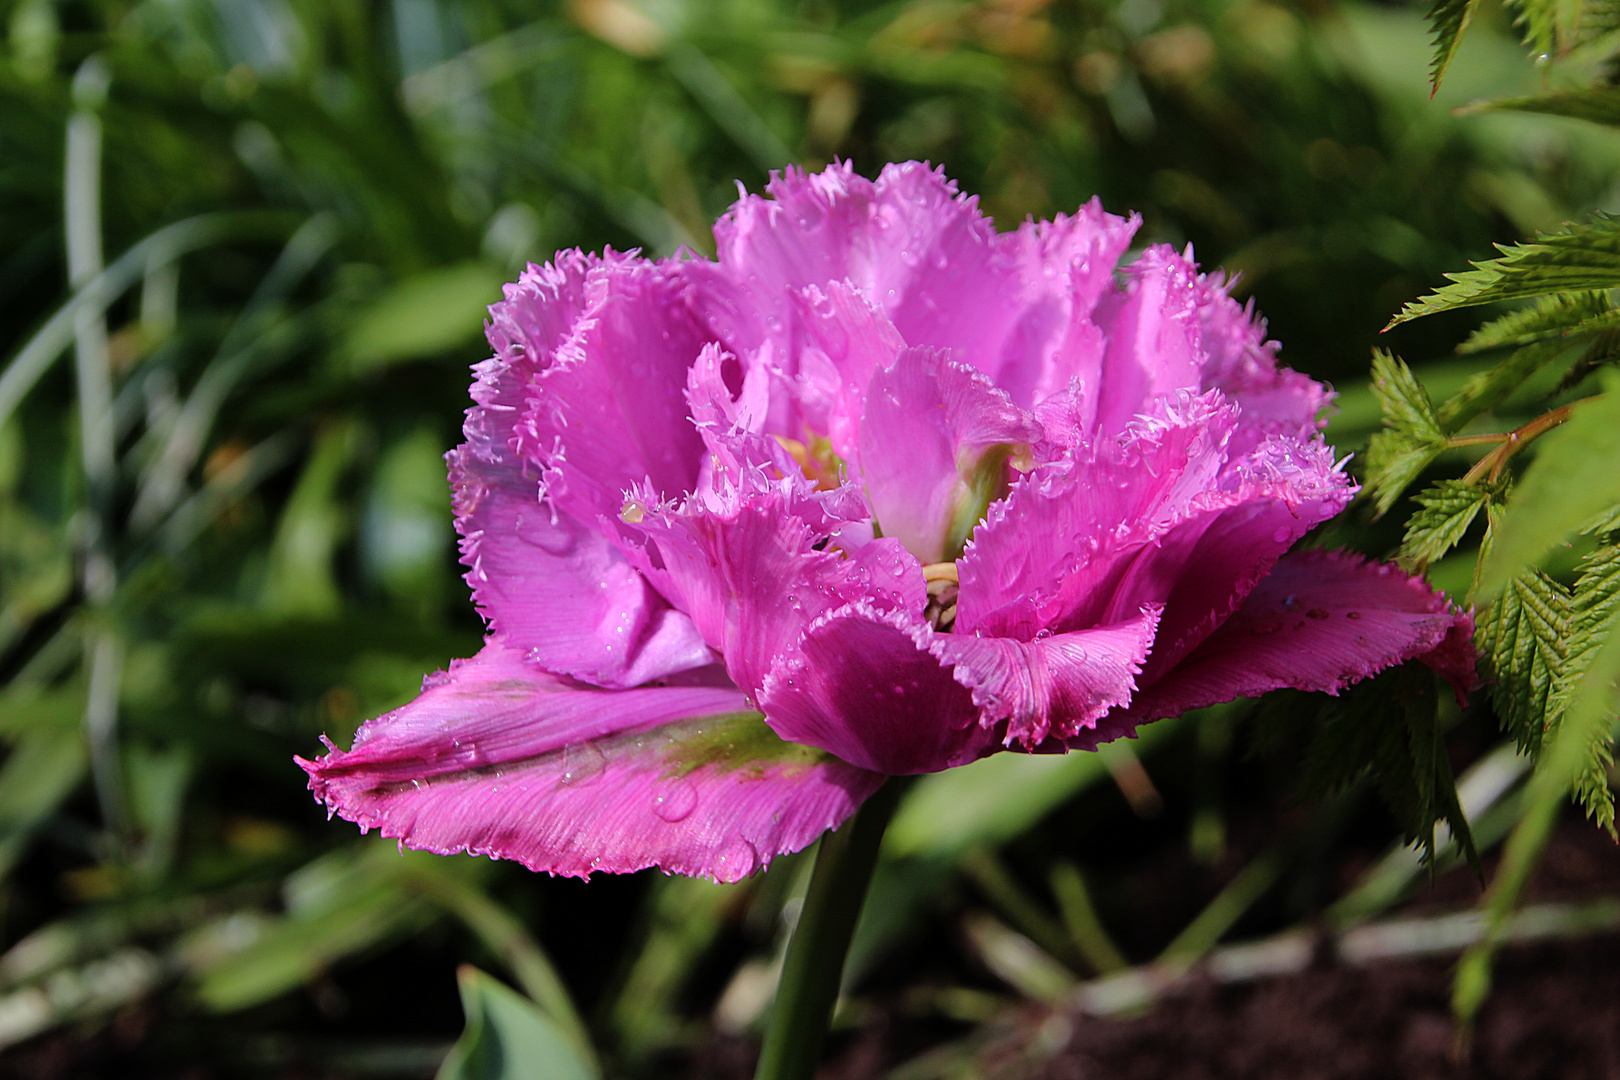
(936, 438)
(1319, 621)
(498, 758)
(862, 685)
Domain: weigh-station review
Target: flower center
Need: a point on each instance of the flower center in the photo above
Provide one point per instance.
(943, 584)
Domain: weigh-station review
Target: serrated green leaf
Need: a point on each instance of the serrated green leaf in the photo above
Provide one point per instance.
(1490, 388)
(1446, 510)
(1575, 477)
(1388, 727)
(1524, 642)
(1599, 104)
(1593, 610)
(1412, 435)
(1550, 316)
(1540, 21)
(1448, 19)
(1578, 257)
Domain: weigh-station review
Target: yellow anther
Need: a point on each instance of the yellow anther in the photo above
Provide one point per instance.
(941, 571)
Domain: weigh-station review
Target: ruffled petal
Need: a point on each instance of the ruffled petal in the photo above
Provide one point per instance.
(552, 584)
(1056, 685)
(747, 557)
(1242, 364)
(1319, 621)
(924, 255)
(498, 758)
(610, 412)
(929, 435)
(862, 685)
(1160, 516)
(1154, 338)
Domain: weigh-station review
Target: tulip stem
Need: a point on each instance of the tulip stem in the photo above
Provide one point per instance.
(813, 968)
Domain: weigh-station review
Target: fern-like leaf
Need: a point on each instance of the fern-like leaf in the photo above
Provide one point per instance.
(1388, 727)
(1445, 511)
(1447, 19)
(1579, 257)
(1599, 104)
(1557, 316)
(1593, 610)
(1412, 435)
(1524, 643)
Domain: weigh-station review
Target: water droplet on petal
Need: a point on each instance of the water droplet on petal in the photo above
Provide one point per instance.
(674, 799)
(1042, 634)
(1283, 535)
(737, 859)
(582, 763)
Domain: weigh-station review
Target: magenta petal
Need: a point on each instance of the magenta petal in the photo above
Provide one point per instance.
(559, 589)
(1242, 364)
(1055, 685)
(743, 562)
(610, 412)
(1319, 621)
(498, 758)
(1154, 340)
(862, 685)
(925, 430)
(551, 584)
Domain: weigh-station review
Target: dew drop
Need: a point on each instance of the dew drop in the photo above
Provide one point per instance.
(675, 799)
(1282, 536)
(582, 763)
(737, 859)
(1042, 634)
(1352, 614)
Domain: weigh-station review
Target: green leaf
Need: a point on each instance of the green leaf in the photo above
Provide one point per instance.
(1589, 717)
(1524, 642)
(1412, 437)
(1446, 510)
(1599, 104)
(507, 1037)
(1490, 388)
(1550, 316)
(1388, 728)
(995, 799)
(41, 771)
(1593, 610)
(1575, 477)
(1578, 257)
(422, 316)
(1448, 19)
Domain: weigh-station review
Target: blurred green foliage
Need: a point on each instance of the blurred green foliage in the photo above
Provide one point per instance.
(245, 247)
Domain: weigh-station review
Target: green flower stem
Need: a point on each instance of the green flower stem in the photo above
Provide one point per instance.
(814, 965)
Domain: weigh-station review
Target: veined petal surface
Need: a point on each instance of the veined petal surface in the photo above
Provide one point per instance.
(499, 758)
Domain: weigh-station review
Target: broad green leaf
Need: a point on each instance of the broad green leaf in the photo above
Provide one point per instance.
(1599, 104)
(995, 799)
(1524, 641)
(1575, 477)
(1412, 437)
(41, 771)
(340, 905)
(1447, 19)
(1446, 510)
(507, 1037)
(423, 315)
(1579, 257)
